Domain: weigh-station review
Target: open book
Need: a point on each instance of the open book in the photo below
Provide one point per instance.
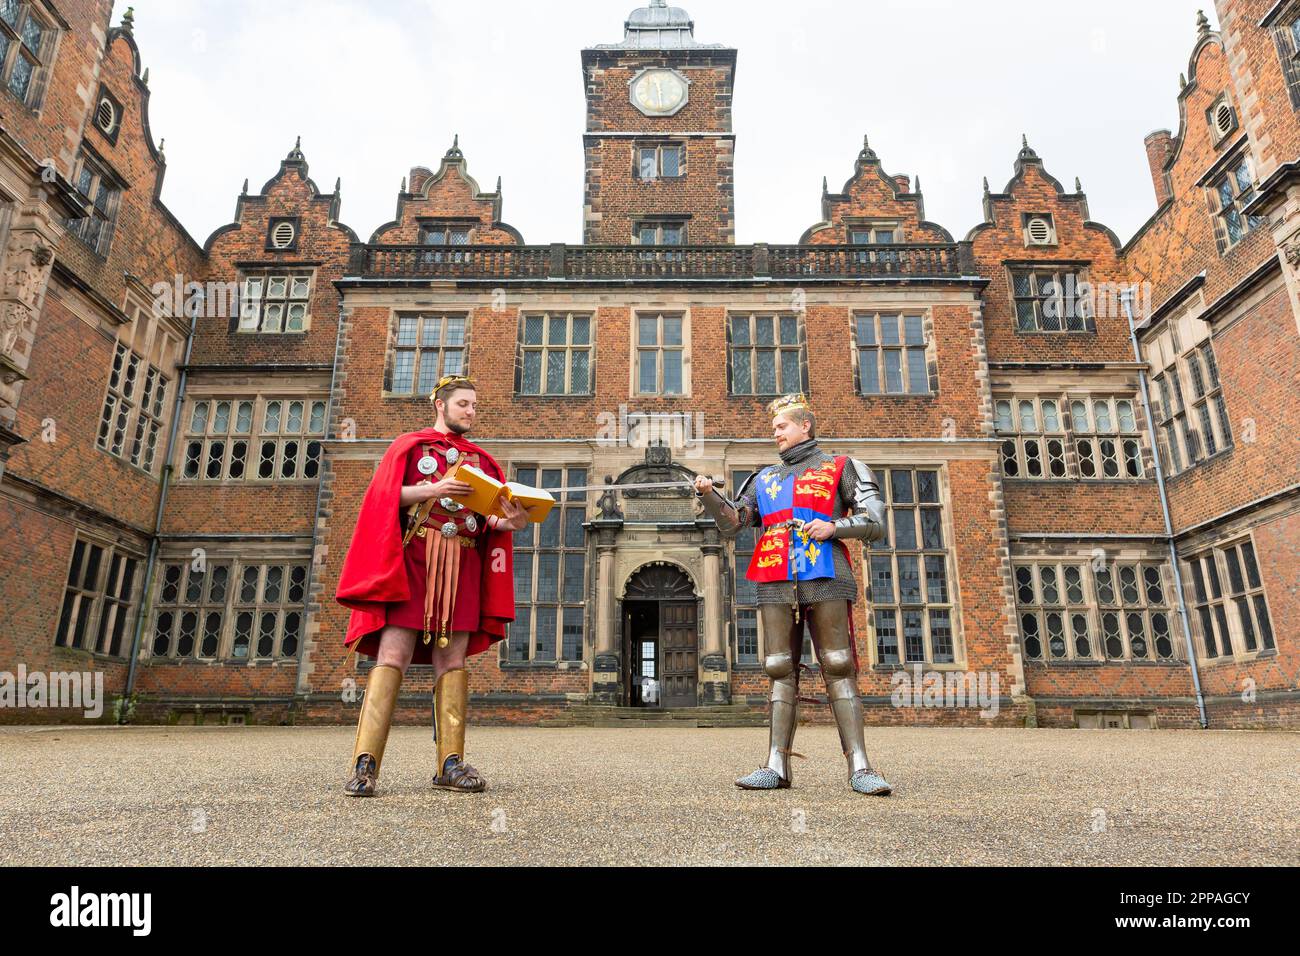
(488, 493)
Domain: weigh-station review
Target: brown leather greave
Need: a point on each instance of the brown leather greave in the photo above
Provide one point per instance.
(451, 701)
(377, 708)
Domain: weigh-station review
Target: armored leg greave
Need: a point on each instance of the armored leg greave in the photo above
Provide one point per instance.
(784, 642)
(829, 621)
(376, 718)
(451, 701)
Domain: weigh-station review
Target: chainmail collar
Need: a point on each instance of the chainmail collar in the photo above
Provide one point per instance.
(801, 452)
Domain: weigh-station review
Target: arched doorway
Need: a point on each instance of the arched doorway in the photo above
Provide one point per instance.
(661, 640)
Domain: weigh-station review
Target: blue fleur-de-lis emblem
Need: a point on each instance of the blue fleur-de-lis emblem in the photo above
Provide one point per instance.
(772, 486)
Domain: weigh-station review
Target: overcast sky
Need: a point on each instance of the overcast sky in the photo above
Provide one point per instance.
(944, 88)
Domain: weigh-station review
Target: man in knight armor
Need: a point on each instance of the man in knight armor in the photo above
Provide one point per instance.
(807, 505)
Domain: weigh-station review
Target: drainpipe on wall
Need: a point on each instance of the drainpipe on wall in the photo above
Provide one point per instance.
(146, 605)
(1127, 298)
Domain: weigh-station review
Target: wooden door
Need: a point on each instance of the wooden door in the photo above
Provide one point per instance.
(679, 644)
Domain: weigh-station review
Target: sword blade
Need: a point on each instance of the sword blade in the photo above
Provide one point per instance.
(641, 486)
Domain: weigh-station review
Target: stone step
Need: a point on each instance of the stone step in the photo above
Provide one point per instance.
(714, 715)
(645, 711)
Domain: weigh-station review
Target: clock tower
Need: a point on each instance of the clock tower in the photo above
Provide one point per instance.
(659, 148)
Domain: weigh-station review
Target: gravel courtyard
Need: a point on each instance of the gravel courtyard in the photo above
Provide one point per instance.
(272, 796)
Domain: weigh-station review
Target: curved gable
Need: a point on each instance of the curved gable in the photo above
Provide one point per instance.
(872, 195)
(451, 195)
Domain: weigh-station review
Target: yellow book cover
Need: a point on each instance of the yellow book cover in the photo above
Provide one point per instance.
(487, 494)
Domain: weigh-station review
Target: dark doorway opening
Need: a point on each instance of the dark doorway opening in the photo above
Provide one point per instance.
(642, 654)
(660, 639)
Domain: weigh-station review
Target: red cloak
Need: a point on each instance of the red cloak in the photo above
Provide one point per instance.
(374, 573)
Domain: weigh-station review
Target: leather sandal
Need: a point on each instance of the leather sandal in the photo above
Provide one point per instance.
(459, 776)
(364, 777)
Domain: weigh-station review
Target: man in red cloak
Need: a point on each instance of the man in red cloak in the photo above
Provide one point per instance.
(430, 584)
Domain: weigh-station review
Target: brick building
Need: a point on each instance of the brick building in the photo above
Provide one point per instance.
(186, 429)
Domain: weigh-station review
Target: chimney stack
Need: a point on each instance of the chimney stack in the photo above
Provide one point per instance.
(1160, 146)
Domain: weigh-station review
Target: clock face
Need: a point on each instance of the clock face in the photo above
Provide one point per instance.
(659, 92)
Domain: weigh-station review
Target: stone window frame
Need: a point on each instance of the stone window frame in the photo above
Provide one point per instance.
(872, 233)
(744, 593)
(1060, 449)
(928, 557)
(97, 183)
(1077, 309)
(1284, 24)
(1219, 578)
(15, 44)
(260, 603)
(137, 407)
(1113, 601)
(100, 598)
(440, 232)
(779, 345)
(658, 225)
(197, 589)
(1091, 454)
(869, 232)
(570, 545)
(1170, 409)
(259, 294)
(1180, 424)
(1117, 600)
(544, 349)
(659, 148)
(240, 452)
(1208, 403)
(906, 346)
(1227, 195)
(1041, 598)
(662, 346)
(216, 611)
(401, 344)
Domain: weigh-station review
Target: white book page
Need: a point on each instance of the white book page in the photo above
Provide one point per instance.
(516, 488)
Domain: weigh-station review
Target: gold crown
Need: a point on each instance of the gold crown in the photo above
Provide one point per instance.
(788, 403)
(450, 380)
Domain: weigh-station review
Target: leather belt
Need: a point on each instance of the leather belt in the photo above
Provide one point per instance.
(465, 542)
